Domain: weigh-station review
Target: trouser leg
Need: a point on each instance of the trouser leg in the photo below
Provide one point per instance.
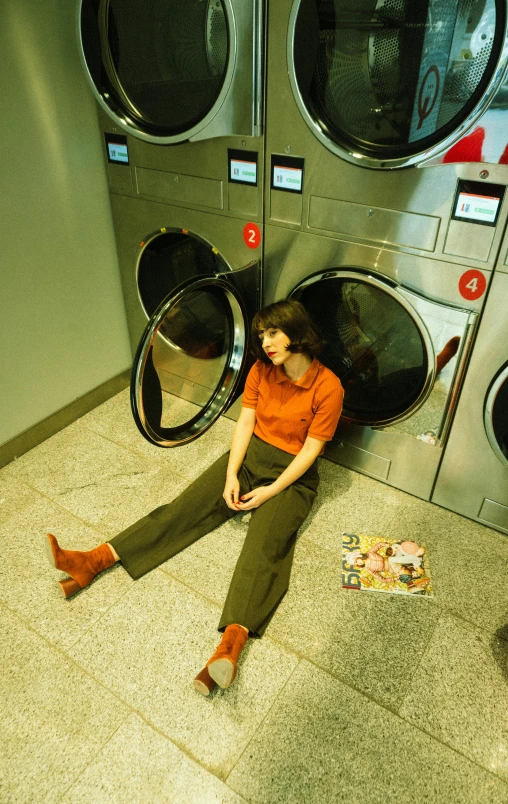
(261, 576)
(172, 527)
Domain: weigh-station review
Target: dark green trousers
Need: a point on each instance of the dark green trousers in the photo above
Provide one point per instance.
(261, 576)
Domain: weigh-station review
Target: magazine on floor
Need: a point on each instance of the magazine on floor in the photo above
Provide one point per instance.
(378, 564)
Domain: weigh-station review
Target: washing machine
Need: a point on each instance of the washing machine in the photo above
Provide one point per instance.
(168, 72)
(473, 478)
(179, 89)
(392, 259)
(195, 288)
(390, 83)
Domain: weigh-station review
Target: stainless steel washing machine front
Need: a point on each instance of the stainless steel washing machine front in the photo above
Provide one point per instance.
(316, 179)
(191, 287)
(392, 83)
(167, 71)
(473, 478)
(399, 335)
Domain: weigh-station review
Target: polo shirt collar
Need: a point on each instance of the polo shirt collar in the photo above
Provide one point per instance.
(305, 381)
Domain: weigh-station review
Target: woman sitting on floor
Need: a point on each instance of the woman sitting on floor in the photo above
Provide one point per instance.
(290, 408)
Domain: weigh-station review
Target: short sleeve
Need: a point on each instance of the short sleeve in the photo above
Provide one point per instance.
(251, 390)
(329, 407)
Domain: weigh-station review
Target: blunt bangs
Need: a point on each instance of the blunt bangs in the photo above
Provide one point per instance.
(291, 317)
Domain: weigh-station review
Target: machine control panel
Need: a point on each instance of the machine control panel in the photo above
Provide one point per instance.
(243, 167)
(477, 202)
(117, 150)
(287, 173)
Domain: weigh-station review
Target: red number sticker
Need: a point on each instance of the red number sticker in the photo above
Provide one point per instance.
(251, 235)
(472, 285)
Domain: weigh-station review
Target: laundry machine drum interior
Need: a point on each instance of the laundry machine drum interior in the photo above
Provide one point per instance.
(496, 415)
(375, 344)
(387, 80)
(160, 64)
(168, 258)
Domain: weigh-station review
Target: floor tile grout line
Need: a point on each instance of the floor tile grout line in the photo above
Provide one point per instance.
(136, 452)
(185, 750)
(377, 703)
(101, 749)
(290, 650)
(435, 601)
(262, 722)
(99, 683)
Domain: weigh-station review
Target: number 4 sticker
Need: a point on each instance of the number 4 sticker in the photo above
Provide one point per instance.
(472, 285)
(251, 235)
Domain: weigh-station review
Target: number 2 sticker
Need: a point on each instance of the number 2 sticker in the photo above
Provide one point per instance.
(472, 285)
(251, 235)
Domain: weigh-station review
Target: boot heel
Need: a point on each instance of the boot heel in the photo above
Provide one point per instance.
(69, 587)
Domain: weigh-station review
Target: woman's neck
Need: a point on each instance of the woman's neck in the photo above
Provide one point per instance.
(296, 365)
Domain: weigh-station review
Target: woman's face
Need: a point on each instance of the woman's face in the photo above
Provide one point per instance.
(275, 342)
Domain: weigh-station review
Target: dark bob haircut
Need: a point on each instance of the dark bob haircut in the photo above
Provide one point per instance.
(293, 319)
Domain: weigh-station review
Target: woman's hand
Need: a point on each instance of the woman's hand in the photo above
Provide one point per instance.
(231, 492)
(256, 497)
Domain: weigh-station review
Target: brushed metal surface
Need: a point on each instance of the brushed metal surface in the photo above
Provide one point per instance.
(136, 218)
(286, 207)
(469, 240)
(427, 192)
(360, 459)
(376, 224)
(120, 177)
(398, 459)
(471, 471)
(178, 188)
(243, 200)
(238, 107)
(287, 11)
(431, 287)
(494, 514)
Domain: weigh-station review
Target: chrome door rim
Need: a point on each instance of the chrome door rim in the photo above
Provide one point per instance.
(396, 292)
(227, 385)
(490, 401)
(422, 156)
(170, 230)
(119, 116)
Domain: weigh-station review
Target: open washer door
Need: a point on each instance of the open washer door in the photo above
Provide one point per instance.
(168, 71)
(198, 334)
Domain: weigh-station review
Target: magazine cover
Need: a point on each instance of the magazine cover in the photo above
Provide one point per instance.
(374, 564)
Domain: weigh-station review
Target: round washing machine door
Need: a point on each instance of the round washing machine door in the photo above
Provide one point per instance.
(377, 344)
(389, 83)
(159, 68)
(496, 415)
(196, 338)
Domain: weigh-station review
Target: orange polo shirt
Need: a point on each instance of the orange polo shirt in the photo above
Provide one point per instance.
(287, 411)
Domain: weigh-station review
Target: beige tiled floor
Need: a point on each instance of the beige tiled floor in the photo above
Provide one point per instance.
(349, 697)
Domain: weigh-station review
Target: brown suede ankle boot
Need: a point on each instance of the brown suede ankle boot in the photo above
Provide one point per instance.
(82, 567)
(203, 682)
(222, 665)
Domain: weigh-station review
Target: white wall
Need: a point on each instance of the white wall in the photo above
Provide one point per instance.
(62, 322)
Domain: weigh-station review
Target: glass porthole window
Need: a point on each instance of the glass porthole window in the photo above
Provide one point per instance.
(381, 81)
(158, 65)
(375, 344)
(196, 336)
(496, 415)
